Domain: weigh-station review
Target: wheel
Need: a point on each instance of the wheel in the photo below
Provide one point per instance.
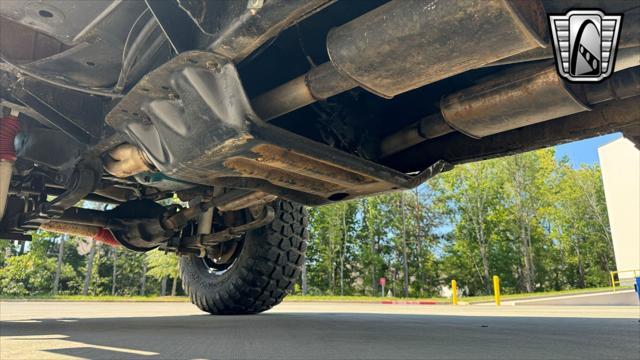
(253, 274)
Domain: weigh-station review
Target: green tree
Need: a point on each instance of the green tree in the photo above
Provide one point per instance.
(33, 272)
(469, 197)
(527, 186)
(162, 266)
(581, 227)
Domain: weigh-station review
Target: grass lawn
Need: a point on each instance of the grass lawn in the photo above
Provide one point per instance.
(309, 298)
(96, 298)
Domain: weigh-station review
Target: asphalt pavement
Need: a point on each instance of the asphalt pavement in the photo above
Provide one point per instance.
(95, 330)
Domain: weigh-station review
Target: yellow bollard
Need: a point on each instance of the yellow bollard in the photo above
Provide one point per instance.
(454, 292)
(613, 280)
(496, 289)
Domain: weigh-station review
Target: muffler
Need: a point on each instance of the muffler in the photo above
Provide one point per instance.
(518, 97)
(406, 44)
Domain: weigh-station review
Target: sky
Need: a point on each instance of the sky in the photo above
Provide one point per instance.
(584, 151)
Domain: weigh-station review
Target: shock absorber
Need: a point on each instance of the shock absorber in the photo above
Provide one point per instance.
(9, 128)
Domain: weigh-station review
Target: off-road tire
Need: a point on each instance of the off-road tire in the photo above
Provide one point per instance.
(265, 270)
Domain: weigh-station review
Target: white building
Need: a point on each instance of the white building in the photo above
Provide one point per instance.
(620, 163)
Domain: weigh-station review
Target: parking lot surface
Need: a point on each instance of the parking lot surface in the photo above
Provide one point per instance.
(114, 330)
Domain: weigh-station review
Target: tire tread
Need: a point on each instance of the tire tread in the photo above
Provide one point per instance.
(275, 266)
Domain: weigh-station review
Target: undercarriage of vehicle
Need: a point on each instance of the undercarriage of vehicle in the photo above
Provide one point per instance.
(203, 126)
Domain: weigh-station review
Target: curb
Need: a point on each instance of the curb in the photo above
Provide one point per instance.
(394, 302)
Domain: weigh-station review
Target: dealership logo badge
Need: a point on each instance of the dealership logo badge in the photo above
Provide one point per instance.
(585, 44)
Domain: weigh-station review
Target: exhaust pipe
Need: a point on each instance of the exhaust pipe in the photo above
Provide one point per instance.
(510, 100)
(320, 83)
(406, 44)
(521, 98)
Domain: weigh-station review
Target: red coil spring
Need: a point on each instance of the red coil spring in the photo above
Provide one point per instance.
(9, 127)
